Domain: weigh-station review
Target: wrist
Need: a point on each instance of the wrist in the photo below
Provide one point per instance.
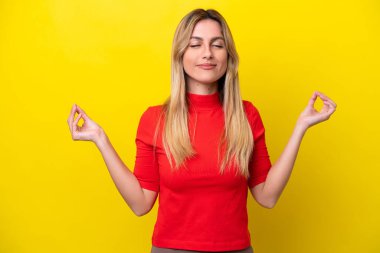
(301, 127)
(100, 138)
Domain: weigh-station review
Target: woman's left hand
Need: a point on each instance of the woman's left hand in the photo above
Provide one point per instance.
(310, 116)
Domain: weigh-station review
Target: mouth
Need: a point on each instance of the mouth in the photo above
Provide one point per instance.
(207, 66)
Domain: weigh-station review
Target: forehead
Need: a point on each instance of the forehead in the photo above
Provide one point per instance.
(207, 28)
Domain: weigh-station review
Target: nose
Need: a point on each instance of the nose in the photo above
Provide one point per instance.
(207, 53)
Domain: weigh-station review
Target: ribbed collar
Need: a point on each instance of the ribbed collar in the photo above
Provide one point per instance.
(203, 102)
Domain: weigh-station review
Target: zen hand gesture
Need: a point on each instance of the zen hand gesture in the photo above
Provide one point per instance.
(89, 131)
(310, 116)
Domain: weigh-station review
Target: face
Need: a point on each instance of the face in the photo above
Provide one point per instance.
(205, 59)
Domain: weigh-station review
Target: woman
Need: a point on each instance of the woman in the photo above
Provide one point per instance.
(203, 148)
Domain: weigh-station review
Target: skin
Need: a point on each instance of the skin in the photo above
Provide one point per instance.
(268, 192)
(206, 46)
(203, 82)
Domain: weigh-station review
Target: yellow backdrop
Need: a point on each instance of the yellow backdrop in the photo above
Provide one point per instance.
(113, 59)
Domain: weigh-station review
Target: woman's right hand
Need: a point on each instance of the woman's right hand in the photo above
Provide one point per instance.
(89, 131)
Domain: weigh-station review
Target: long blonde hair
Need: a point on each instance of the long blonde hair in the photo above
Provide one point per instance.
(237, 138)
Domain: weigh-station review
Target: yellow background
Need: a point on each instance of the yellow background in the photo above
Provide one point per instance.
(113, 59)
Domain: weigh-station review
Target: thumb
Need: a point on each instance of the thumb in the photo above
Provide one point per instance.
(312, 99)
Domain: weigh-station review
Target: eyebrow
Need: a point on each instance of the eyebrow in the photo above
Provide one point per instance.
(212, 39)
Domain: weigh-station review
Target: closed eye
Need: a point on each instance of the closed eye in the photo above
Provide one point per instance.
(213, 45)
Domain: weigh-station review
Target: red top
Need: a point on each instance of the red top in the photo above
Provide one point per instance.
(199, 209)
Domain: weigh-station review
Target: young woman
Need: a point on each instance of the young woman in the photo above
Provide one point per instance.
(203, 148)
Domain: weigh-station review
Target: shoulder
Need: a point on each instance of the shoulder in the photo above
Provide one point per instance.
(148, 122)
(250, 110)
(151, 113)
(248, 105)
(254, 119)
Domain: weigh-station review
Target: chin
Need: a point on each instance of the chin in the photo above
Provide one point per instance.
(208, 80)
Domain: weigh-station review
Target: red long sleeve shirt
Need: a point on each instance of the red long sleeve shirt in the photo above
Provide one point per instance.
(200, 209)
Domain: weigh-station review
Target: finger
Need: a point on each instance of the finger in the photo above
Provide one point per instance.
(328, 108)
(332, 102)
(312, 99)
(75, 124)
(83, 113)
(324, 98)
(71, 116)
(331, 108)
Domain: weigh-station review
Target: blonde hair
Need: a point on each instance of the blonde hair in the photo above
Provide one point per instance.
(237, 140)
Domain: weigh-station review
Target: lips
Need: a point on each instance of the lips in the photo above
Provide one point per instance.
(207, 66)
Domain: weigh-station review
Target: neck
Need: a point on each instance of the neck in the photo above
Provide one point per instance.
(202, 89)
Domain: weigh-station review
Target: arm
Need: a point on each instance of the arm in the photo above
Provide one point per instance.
(140, 200)
(268, 193)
